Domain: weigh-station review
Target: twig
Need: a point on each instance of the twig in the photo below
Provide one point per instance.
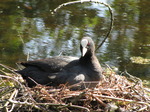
(12, 78)
(33, 81)
(8, 68)
(83, 82)
(78, 97)
(28, 55)
(143, 108)
(136, 80)
(100, 101)
(120, 99)
(15, 92)
(74, 106)
(21, 38)
(94, 1)
(47, 104)
(13, 105)
(109, 67)
(24, 103)
(133, 78)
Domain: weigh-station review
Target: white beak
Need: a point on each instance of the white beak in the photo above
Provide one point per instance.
(84, 43)
(84, 50)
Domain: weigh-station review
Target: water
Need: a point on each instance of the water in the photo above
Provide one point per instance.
(28, 28)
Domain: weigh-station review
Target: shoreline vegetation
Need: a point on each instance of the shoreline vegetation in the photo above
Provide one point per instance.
(115, 93)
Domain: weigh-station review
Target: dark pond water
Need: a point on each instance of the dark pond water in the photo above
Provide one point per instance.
(28, 27)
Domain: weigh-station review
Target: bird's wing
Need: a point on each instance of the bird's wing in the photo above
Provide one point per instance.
(54, 64)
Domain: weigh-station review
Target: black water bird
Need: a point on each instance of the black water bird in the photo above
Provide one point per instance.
(64, 69)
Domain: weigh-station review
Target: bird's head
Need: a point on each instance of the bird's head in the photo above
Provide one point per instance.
(87, 46)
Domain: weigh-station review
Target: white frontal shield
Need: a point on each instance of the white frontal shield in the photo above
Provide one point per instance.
(84, 43)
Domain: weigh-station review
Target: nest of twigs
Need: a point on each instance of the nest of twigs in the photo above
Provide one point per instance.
(115, 93)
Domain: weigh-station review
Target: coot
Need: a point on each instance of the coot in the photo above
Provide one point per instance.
(64, 69)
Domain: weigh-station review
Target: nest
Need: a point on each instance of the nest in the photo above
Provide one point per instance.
(115, 93)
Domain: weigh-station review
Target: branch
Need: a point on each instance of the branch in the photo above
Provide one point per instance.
(100, 101)
(8, 68)
(94, 1)
(121, 99)
(24, 103)
(12, 78)
(47, 104)
(14, 94)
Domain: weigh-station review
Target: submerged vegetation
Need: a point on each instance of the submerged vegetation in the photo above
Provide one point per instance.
(113, 93)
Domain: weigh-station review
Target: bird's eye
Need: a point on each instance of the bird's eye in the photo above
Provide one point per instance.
(88, 44)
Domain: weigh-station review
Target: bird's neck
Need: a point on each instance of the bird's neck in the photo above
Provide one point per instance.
(87, 58)
(90, 59)
(93, 65)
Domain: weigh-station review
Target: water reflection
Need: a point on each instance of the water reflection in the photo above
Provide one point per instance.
(46, 35)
